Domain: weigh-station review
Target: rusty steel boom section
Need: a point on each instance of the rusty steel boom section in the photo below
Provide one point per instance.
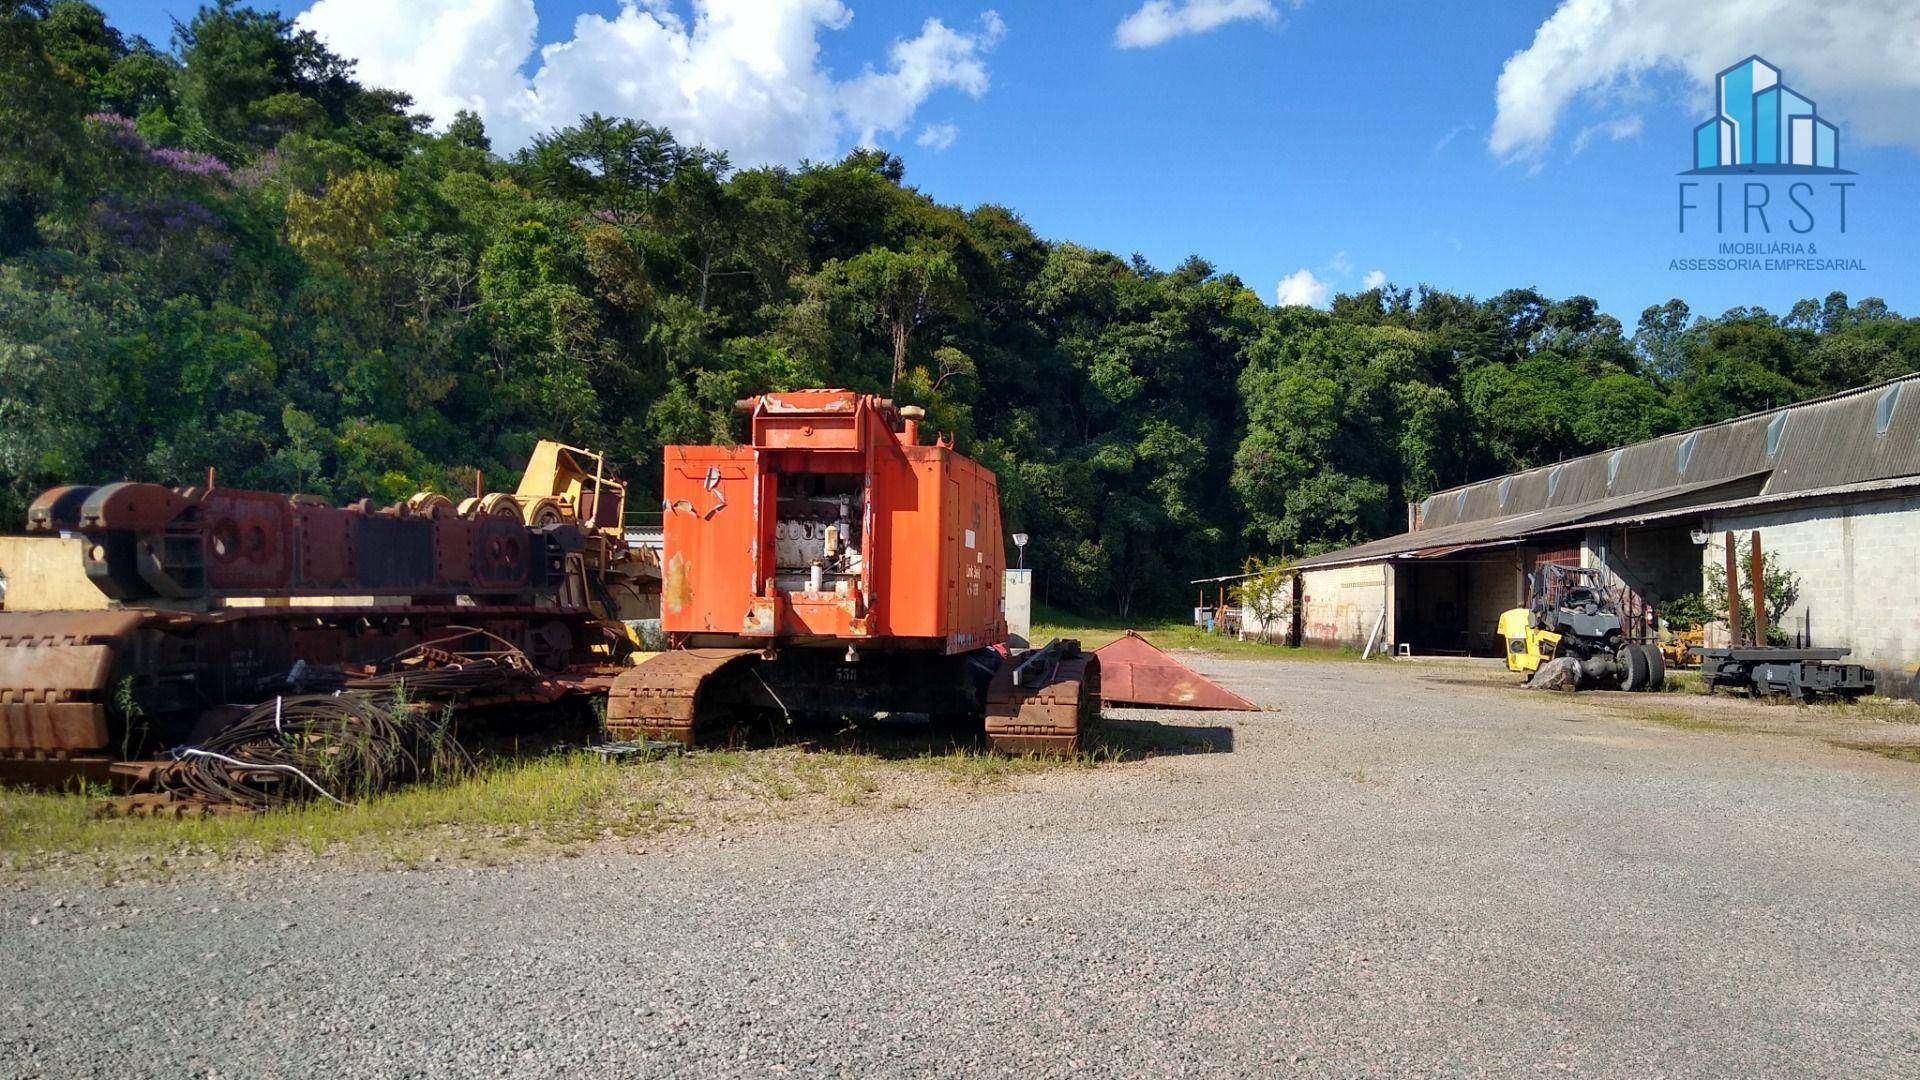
(211, 594)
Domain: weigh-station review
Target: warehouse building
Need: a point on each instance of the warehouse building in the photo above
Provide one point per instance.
(1832, 485)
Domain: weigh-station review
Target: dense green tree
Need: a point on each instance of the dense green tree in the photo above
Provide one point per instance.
(234, 254)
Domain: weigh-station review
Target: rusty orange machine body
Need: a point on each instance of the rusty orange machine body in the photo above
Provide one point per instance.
(835, 565)
(833, 524)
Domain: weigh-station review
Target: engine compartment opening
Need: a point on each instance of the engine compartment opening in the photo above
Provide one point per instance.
(818, 539)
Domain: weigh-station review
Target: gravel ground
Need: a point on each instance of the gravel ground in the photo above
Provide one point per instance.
(1388, 874)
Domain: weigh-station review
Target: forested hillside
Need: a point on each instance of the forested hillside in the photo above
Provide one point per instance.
(227, 252)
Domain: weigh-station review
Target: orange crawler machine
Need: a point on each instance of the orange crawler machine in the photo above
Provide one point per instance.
(838, 566)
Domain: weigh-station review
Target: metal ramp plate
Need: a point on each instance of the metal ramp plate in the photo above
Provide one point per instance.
(1133, 671)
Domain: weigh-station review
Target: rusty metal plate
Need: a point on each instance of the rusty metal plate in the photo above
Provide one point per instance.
(67, 627)
(249, 539)
(502, 552)
(52, 727)
(34, 667)
(455, 551)
(1135, 672)
(325, 546)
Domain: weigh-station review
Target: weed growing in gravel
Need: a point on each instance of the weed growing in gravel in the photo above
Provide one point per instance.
(556, 796)
(1685, 721)
(556, 802)
(1896, 751)
(1683, 682)
(973, 769)
(1885, 709)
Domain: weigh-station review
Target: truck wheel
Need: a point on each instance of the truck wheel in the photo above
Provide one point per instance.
(1635, 661)
(1656, 667)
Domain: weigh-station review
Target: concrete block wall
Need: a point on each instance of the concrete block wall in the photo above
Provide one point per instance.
(1340, 606)
(1655, 563)
(1859, 570)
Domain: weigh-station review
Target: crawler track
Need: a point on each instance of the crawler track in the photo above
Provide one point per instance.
(660, 698)
(54, 681)
(1050, 715)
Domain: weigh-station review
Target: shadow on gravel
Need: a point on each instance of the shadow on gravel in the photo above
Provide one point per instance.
(1112, 739)
(1132, 740)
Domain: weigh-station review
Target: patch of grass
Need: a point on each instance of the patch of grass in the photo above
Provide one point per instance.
(1685, 721)
(512, 807)
(1687, 681)
(1884, 709)
(1890, 710)
(969, 768)
(1909, 752)
(557, 798)
(1095, 631)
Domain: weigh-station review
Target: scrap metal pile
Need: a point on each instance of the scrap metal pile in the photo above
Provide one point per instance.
(207, 600)
(336, 747)
(238, 648)
(340, 733)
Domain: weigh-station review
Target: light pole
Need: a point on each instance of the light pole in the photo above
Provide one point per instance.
(1020, 542)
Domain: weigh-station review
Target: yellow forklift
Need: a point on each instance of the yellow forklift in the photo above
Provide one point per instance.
(1572, 613)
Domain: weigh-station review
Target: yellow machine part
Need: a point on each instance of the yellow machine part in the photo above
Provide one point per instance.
(1675, 646)
(570, 483)
(1527, 646)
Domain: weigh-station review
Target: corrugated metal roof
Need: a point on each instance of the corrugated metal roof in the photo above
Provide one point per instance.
(1510, 529)
(1841, 440)
(1823, 443)
(1864, 439)
(1645, 515)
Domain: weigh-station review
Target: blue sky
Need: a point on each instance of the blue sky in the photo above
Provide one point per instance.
(1342, 138)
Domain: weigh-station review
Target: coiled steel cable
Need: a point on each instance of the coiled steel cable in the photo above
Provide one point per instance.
(293, 749)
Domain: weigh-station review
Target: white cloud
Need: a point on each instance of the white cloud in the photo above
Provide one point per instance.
(743, 76)
(1302, 289)
(938, 136)
(1854, 57)
(449, 56)
(879, 101)
(1373, 280)
(1159, 21)
(1626, 127)
(1453, 133)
